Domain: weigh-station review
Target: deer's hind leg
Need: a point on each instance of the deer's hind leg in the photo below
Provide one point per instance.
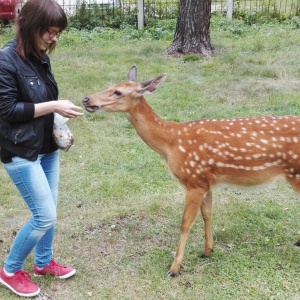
(294, 180)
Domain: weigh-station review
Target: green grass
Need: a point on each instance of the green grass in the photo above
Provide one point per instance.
(120, 210)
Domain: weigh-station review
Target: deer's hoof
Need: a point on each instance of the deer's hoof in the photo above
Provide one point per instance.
(171, 274)
(205, 256)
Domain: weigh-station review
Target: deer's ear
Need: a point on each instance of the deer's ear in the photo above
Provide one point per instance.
(132, 73)
(151, 85)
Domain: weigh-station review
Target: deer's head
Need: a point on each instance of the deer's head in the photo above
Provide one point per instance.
(122, 96)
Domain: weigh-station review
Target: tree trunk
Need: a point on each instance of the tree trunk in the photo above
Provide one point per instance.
(192, 30)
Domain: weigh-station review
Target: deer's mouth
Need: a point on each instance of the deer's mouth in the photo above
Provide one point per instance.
(88, 107)
(91, 108)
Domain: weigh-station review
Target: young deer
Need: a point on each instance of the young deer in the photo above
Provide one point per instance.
(200, 154)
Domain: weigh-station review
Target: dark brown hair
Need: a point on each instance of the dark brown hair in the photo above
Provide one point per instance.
(34, 20)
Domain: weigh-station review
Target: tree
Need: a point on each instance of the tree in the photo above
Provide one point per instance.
(192, 30)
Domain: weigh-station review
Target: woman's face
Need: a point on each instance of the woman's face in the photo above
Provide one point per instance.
(50, 36)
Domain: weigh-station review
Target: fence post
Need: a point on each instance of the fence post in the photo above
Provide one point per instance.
(229, 9)
(140, 9)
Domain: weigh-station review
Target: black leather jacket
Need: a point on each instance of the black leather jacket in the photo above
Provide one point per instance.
(20, 87)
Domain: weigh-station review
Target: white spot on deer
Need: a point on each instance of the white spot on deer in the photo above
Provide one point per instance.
(192, 163)
(238, 157)
(211, 161)
(258, 168)
(182, 149)
(264, 141)
(196, 157)
(233, 148)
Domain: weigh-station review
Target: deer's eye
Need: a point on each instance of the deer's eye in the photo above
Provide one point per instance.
(117, 93)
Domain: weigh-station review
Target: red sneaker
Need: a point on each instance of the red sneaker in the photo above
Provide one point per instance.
(19, 283)
(56, 270)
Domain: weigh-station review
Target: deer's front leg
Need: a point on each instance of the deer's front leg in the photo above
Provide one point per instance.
(193, 202)
(206, 210)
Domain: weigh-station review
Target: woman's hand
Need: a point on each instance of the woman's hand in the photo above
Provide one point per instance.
(63, 107)
(67, 109)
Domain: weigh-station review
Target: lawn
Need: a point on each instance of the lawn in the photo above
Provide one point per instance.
(120, 210)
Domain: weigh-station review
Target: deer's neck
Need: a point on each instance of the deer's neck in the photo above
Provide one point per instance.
(156, 132)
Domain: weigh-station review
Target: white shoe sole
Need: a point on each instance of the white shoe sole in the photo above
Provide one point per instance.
(59, 277)
(17, 293)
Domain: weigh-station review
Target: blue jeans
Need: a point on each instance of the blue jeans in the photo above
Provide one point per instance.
(37, 181)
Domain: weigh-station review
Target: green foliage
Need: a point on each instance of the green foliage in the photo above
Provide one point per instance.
(91, 16)
(235, 26)
(296, 22)
(260, 17)
(154, 30)
(160, 10)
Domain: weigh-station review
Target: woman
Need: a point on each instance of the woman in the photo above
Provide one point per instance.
(28, 94)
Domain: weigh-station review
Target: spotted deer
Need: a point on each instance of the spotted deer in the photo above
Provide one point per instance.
(200, 154)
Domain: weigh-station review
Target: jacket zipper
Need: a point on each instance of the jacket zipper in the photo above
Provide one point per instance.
(16, 136)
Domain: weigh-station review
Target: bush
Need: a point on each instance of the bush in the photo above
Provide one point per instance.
(260, 17)
(296, 22)
(91, 16)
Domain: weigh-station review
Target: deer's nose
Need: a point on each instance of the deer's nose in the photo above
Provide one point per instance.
(85, 100)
